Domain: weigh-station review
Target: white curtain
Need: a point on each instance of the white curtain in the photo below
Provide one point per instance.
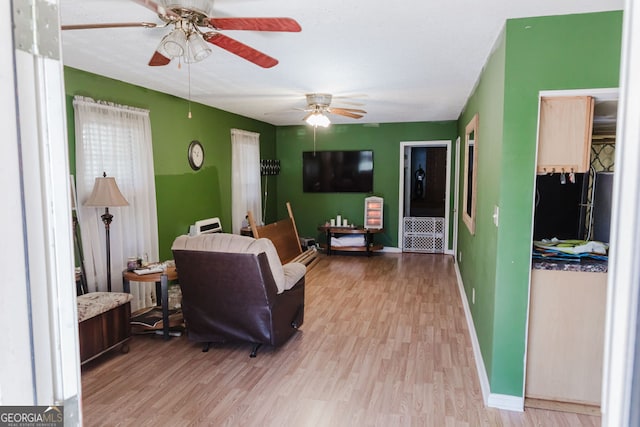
(245, 180)
(116, 139)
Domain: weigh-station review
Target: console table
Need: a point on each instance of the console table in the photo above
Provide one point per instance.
(368, 233)
(162, 290)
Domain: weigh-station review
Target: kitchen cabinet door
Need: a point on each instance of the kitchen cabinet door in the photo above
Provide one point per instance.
(564, 137)
(566, 336)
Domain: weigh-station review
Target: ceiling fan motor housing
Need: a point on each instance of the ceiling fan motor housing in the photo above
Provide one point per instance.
(321, 100)
(204, 7)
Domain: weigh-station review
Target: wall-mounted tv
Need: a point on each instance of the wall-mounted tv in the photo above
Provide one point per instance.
(337, 171)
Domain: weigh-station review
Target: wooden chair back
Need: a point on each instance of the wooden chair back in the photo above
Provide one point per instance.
(283, 234)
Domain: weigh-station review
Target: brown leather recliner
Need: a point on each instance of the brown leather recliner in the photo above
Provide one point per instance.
(235, 289)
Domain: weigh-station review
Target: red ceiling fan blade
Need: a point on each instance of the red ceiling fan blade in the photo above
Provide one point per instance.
(158, 59)
(241, 49)
(108, 25)
(256, 24)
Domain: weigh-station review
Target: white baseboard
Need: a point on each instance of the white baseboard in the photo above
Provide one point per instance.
(393, 249)
(482, 372)
(492, 400)
(506, 402)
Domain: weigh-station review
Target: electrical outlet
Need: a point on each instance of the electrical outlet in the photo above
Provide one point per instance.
(473, 295)
(496, 214)
(460, 256)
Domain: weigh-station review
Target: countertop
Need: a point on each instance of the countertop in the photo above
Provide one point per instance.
(584, 264)
(570, 255)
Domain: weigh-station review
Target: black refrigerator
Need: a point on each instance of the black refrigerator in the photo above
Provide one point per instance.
(560, 206)
(602, 196)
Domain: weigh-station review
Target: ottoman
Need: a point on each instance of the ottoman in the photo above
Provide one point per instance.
(103, 323)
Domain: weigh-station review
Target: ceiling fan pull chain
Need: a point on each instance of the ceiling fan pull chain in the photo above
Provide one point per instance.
(314, 141)
(189, 78)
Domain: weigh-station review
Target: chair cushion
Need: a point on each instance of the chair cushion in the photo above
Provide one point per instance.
(293, 272)
(234, 243)
(95, 303)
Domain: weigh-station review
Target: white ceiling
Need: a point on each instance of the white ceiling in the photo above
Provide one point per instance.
(402, 61)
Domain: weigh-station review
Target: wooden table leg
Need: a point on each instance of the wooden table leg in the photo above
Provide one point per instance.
(164, 292)
(161, 281)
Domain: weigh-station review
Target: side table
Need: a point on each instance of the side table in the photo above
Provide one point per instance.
(162, 288)
(368, 233)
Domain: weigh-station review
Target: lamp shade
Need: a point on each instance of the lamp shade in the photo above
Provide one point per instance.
(106, 194)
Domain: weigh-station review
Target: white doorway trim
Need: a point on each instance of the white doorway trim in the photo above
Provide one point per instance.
(599, 94)
(401, 182)
(456, 195)
(622, 345)
(41, 359)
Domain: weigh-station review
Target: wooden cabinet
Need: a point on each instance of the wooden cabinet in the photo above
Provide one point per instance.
(564, 137)
(566, 337)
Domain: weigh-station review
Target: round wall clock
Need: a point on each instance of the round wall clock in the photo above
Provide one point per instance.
(196, 155)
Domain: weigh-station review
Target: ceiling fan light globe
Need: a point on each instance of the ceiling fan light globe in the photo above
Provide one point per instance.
(318, 119)
(161, 50)
(324, 121)
(197, 48)
(174, 43)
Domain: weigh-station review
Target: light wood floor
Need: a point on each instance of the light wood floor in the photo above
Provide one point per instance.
(384, 343)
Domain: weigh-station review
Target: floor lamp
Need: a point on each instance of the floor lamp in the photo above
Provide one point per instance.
(106, 193)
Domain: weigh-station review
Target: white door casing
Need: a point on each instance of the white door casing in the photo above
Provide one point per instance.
(404, 145)
(42, 364)
(456, 195)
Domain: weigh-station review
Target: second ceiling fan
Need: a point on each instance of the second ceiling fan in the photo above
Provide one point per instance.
(188, 41)
(319, 104)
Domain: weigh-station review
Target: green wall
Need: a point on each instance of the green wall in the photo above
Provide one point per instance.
(313, 209)
(183, 195)
(545, 53)
(478, 252)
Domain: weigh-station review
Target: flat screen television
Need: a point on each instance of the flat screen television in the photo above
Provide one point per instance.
(337, 171)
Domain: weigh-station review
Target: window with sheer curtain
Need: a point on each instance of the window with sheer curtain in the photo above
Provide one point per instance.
(245, 179)
(116, 140)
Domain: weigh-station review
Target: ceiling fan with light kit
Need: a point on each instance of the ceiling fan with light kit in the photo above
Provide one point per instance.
(195, 29)
(319, 105)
